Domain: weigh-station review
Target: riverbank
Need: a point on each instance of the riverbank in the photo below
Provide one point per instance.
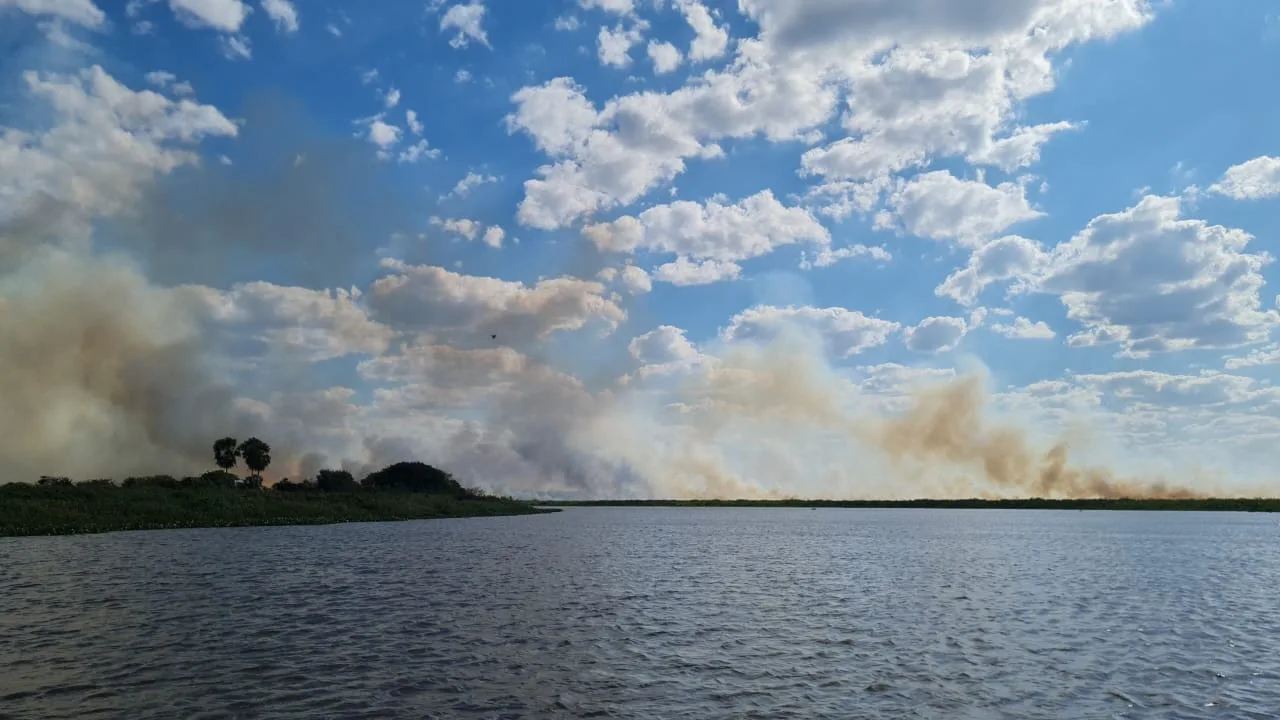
(1201, 504)
(32, 510)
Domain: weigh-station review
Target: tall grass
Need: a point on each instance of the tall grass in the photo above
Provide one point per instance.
(91, 508)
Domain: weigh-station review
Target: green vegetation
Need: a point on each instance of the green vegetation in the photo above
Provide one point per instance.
(1204, 504)
(404, 491)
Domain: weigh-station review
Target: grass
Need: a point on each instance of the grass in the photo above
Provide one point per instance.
(1203, 504)
(35, 510)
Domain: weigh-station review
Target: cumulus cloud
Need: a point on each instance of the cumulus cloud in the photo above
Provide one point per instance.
(844, 332)
(310, 325)
(935, 334)
(493, 236)
(684, 272)
(752, 227)
(81, 12)
(1150, 280)
(665, 56)
(1023, 329)
(468, 309)
(613, 46)
(467, 20)
(632, 277)
(1252, 180)
(940, 206)
(710, 40)
(663, 345)
(1001, 259)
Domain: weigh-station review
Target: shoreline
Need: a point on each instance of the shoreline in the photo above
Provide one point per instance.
(1148, 504)
(30, 511)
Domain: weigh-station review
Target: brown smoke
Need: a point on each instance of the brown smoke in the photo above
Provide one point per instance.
(101, 374)
(947, 426)
(943, 445)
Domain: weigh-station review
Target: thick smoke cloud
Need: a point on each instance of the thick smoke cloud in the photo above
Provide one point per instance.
(112, 362)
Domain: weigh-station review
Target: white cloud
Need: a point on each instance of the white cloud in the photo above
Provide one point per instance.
(411, 119)
(465, 227)
(1269, 355)
(614, 46)
(224, 15)
(683, 272)
(633, 278)
(1001, 259)
(283, 13)
(467, 308)
(826, 257)
(1252, 180)
(467, 20)
(468, 182)
(664, 345)
(160, 78)
(710, 41)
(493, 236)
(567, 23)
(108, 143)
(938, 205)
(1151, 281)
(752, 227)
(935, 334)
(383, 134)
(81, 12)
(665, 56)
(391, 98)
(619, 7)
(462, 77)
(1024, 329)
(236, 47)
(845, 332)
(417, 151)
(313, 325)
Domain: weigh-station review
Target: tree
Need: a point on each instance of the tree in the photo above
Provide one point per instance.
(416, 477)
(257, 456)
(224, 453)
(335, 481)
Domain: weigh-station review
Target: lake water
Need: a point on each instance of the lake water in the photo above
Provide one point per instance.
(654, 613)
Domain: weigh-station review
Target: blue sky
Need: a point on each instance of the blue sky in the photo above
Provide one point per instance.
(680, 216)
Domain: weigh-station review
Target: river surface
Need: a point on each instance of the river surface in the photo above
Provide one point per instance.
(654, 613)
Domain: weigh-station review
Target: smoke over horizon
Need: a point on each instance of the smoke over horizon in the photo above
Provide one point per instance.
(114, 361)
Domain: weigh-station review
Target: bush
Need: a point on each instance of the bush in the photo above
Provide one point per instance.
(336, 481)
(49, 481)
(416, 477)
(164, 481)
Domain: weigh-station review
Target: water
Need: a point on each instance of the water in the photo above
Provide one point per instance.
(654, 613)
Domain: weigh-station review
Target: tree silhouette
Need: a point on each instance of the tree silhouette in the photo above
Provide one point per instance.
(224, 453)
(336, 481)
(256, 454)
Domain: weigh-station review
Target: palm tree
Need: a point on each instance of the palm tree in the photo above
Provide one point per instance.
(257, 456)
(224, 453)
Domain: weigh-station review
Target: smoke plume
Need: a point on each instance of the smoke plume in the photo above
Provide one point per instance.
(116, 357)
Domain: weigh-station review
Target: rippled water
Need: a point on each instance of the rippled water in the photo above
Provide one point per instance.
(654, 613)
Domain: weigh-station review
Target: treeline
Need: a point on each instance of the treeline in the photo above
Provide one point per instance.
(219, 498)
(415, 477)
(1203, 504)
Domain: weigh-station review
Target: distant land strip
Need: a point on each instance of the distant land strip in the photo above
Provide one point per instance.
(1201, 504)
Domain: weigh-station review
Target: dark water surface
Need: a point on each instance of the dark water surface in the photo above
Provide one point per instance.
(654, 613)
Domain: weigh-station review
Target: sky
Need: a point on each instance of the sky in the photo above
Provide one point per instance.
(637, 248)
